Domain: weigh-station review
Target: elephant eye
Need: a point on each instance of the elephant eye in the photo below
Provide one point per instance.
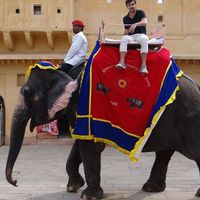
(36, 97)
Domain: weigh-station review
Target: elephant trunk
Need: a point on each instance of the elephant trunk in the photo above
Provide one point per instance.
(19, 121)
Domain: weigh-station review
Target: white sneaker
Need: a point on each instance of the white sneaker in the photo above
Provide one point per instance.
(121, 66)
(143, 69)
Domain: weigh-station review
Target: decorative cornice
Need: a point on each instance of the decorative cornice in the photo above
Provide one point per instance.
(32, 58)
(27, 62)
(29, 58)
(187, 61)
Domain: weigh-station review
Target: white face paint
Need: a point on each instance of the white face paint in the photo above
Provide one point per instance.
(19, 107)
(36, 97)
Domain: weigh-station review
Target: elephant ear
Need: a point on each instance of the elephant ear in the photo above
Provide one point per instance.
(59, 95)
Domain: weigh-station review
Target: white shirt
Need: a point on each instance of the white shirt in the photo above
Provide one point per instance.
(78, 50)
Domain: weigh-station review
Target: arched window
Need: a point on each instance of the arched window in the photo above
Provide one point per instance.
(58, 10)
(17, 11)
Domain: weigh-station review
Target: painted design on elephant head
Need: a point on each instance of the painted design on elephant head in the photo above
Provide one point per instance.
(63, 100)
(19, 107)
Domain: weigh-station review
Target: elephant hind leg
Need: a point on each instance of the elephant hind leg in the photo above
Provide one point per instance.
(156, 181)
(198, 191)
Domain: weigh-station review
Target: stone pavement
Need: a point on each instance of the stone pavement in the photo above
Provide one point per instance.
(40, 171)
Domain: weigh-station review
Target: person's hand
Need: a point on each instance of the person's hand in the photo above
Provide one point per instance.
(132, 28)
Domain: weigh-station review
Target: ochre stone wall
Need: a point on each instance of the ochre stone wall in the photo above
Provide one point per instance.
(8, 87)
(26, 38)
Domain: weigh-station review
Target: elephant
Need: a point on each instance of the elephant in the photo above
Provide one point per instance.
(45, 105)
(177, 130)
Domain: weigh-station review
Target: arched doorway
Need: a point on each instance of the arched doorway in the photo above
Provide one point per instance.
(2, 121)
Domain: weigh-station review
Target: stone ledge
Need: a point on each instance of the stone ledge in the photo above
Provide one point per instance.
(31, 56)
(187, 56)
(34, 140)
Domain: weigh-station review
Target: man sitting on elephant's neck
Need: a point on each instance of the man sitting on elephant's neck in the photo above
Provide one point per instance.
(76, 55)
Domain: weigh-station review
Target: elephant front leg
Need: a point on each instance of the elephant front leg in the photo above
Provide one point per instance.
(91, 157)
(156, 181)
(75, 181)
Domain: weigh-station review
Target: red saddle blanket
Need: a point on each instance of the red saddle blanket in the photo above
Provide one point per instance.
(117, 106)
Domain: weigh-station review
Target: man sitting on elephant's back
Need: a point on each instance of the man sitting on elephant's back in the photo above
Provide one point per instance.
(77, 53)
(135, 30)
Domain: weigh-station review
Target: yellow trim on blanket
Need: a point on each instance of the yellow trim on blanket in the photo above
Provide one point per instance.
(83, 72)
(88, 137)
(118, 127)
(154, 121)
(179, 75)
(106, 141)
(71, 130)
(168, 67)
(106, 121)
(82, 137)
(41, 67)
(83, 116)
(90, 92)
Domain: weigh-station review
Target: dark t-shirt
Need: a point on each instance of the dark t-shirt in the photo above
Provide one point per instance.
(139, 15)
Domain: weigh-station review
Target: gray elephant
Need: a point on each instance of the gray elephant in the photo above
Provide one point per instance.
(178, 129)
(45, 97)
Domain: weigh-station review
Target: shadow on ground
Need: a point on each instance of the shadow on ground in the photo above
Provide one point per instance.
(108, 196)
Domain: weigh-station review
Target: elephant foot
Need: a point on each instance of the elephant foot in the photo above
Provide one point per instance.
(152, 186)
(92, 194)
(74, 183)
(198, 193)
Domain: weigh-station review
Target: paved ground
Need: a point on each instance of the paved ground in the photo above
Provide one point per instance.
(40, 171)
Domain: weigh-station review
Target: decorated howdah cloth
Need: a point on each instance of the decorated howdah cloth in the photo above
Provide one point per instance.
(121, 107)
